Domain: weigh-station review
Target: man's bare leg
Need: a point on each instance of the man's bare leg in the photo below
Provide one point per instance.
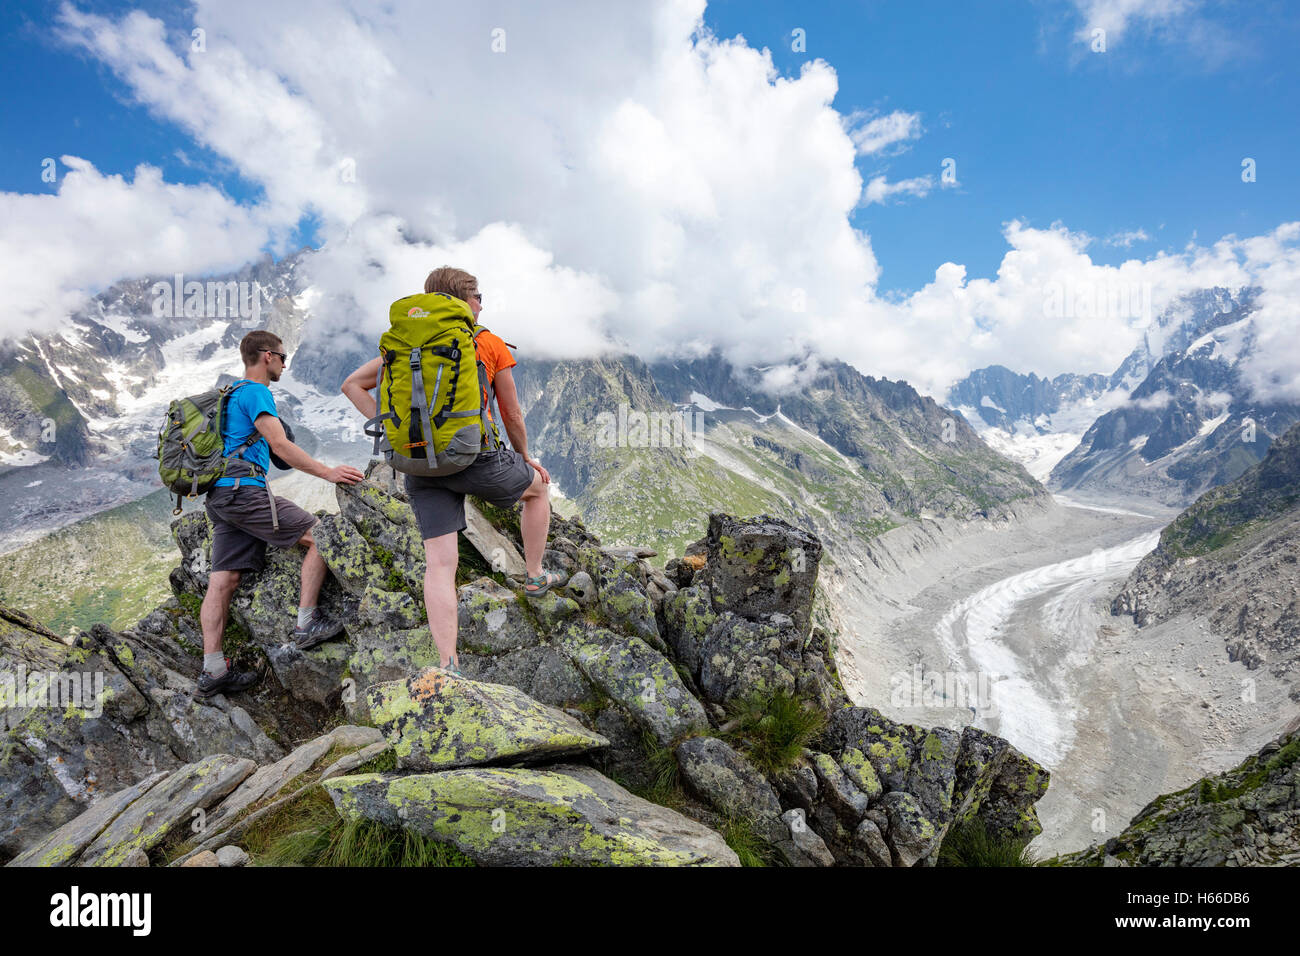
(216, 607)
(441, 555)
(535, 523)
(313, 571)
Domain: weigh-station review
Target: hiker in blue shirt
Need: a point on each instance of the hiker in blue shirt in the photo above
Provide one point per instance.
(246, 516)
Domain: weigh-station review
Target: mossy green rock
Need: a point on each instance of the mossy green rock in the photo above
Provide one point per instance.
(64, 845)
(436, 721)
(639, 678)
(688, 615)
(566, 814)
(347, 554)
(388, 525)
(763, 565)
(169, 804)
(1247, 816)
(490, 619)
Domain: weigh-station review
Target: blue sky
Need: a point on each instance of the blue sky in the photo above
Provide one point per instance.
(1147, 136)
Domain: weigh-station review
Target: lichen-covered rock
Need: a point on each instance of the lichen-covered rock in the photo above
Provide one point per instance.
(582, 588)
(566, 814)
(904, 757)
(66, 843)
(542, 672)
(759, 566)
(348, 554)
(384, 656)
(688, 616)
(998, 785)
(741, 657)
(169, 803)
(553, 609)
(727, 781)
(388, 525)
(1247, 816)
(912, 836)
(491, 620)
(394, 610)
(437, 722)
(314, 675)
(837, 789)
(639, 678)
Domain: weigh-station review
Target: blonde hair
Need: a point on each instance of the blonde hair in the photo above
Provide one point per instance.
(452, 281)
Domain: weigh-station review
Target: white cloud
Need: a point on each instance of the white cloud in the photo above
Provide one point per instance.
(57, 249)
(1126, 239)
(1116, 16)
(618, 177)
(871, 133)
(879, 189)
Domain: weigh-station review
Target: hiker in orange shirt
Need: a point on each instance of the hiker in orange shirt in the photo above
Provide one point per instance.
(501, 476)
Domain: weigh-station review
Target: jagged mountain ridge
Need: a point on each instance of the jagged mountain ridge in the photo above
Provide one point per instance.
(848, 456)
(1080, 433)
(1190, 425)
(1233, 558)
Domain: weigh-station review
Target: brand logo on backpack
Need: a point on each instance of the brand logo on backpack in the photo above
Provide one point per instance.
(418, 313)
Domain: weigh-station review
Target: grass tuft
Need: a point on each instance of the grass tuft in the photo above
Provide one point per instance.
(310, 832)
(970, 844)
(774, 728)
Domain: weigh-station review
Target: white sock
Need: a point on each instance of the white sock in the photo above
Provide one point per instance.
(214, 665)
(304, 615)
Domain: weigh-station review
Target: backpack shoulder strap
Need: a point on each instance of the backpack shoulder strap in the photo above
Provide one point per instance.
(252, 439)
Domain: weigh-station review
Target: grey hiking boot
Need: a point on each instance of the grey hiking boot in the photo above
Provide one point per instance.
(231, 682)
(318, 629)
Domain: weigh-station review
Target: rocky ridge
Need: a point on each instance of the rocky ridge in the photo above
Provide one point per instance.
(573, 707)
(1233, 557)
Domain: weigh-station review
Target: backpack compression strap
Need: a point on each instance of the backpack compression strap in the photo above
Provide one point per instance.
(374, 427)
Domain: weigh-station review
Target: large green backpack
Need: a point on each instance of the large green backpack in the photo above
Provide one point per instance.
(432, 419)
(191, 452)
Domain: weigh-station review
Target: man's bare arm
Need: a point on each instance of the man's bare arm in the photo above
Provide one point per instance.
(357, 388)
(512, 416)
(295, 457)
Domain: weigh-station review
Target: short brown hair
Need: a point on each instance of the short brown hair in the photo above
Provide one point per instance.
(452, 281)
(256, 342)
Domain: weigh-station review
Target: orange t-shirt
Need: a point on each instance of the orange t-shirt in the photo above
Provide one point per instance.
(495, 356)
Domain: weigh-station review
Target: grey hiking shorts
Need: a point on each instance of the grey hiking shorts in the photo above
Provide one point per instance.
(242, 526)
(499, 477)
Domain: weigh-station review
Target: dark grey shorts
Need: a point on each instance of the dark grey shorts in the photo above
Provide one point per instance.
(242, 528)
(499, 477)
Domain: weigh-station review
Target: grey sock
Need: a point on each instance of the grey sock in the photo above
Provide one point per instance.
(304, 615)
(214, 665)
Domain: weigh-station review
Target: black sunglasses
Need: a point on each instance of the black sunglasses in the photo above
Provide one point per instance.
(283, 358)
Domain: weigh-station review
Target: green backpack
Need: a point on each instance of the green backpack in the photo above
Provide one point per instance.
(191, 450)
(432, 419)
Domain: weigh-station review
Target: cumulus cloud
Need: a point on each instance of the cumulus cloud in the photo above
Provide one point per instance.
(616, 177)
(58, 249)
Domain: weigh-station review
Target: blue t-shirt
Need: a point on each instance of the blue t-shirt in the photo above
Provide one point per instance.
(242, 410)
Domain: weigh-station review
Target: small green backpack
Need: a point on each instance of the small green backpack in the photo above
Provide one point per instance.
(191, 450)
(432, 419)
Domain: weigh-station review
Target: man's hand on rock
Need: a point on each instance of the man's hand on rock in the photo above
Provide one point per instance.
(343, 474)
